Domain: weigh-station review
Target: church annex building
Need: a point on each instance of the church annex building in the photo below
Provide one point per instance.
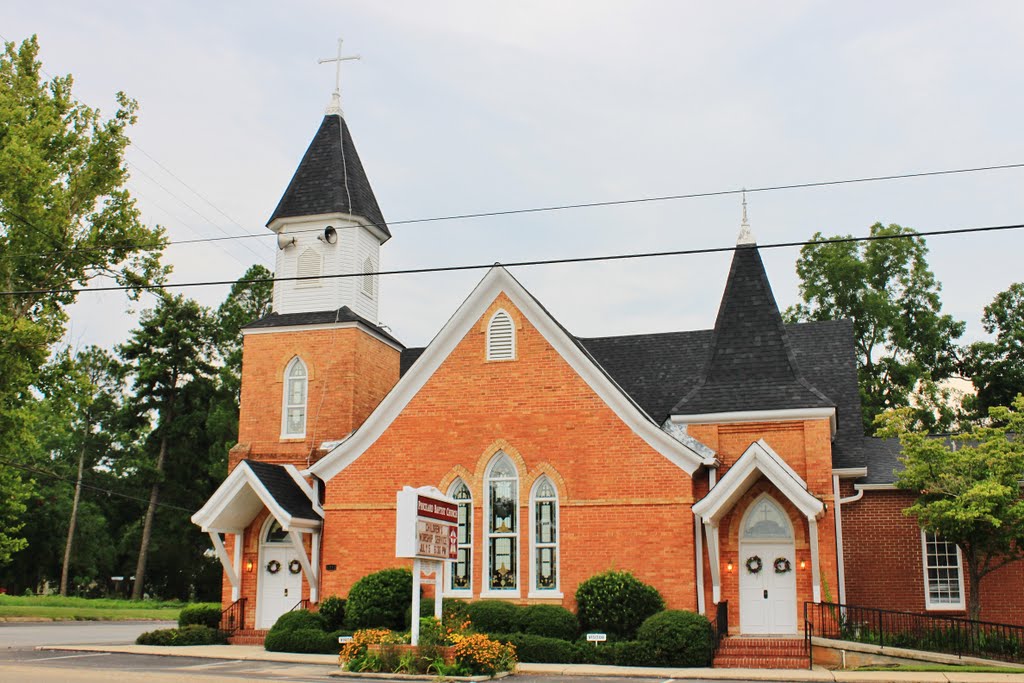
(678, 456)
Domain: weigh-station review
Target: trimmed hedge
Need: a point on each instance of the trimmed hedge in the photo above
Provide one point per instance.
(332, 609)
(299, 619)
(304, 640)
(621, 653)
(206, 615)
(616, 603)
(194, 634)
(678, 638)
(531, 648)
(550, 621)
(380, 599)
(493, 616)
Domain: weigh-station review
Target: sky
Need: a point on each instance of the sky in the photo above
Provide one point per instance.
(463, 107)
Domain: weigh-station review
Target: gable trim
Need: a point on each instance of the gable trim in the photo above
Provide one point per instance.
(758, 459)
(498, 281)
(786, 415)
(242, 476)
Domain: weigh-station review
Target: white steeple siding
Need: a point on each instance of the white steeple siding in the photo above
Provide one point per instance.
(355, 244)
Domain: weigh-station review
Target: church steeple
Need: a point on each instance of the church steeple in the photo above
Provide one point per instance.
(328, 222)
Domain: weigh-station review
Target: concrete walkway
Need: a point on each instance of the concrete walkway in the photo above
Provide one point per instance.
(256, 653)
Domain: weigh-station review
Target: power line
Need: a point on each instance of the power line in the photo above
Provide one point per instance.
(614, 202)
(516, 264)
(54, 475)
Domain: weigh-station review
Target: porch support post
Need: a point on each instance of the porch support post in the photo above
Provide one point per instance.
(314, 587)
(698, 544)
(711, 527)
(307, 569)
(812, 526)
(225, 561)
(236, 588)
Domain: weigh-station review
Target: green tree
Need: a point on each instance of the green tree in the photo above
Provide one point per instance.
(968, 488)
(997, 367)
(168, 358)
(885, 286)
(65, 218)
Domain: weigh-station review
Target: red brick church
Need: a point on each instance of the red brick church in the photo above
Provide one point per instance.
(688, 458)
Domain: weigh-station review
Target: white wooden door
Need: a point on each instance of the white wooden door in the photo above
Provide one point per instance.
(278, 592)
(767, 599)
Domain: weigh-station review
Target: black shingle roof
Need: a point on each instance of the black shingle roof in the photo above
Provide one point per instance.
(751, 364)
(283, 488)
(330, 179)
(340, 315)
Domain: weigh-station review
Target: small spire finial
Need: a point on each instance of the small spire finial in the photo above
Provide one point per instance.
(746, 236)
(334, 107)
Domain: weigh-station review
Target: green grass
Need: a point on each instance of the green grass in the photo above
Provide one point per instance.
(85, 609)
(944, 667)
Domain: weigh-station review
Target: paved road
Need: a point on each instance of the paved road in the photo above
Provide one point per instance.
(32, 634)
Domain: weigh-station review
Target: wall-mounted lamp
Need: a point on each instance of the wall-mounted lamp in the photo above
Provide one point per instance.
(248, 565)
(728, 567)
(803, 564)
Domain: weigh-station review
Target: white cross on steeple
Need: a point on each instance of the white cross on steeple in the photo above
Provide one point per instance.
(335, 106)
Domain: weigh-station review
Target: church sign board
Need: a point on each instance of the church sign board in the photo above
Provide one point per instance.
(427, 524)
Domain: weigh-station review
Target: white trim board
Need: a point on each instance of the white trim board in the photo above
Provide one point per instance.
(788, 415)
(495, 282)
(314, 327)
(208, 517)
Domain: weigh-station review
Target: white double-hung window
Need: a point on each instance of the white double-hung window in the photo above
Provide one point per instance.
(943, 573)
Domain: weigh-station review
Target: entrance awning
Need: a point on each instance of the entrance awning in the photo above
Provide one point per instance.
(250, 487)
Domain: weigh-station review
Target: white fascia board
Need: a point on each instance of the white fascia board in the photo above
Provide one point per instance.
(850, 472)
(324, 326)
(876, 487)
(496, 281)
(305, 487)
(758, 459)
(351, 222)
(225, 494)
(788, 415)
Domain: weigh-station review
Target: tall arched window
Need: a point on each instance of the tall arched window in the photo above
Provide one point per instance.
(501, 337)
(502, 525)
(295, 389)
(544, 536)
(461, 573)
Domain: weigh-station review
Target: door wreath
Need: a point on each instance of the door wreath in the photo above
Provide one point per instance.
(782, 565)
(754, 564)
(294, 567)
(273, 566)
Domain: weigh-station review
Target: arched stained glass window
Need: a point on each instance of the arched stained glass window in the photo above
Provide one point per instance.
(766, 520)
(462, 568)
(502, 524)
(295, 388)
(545, 535)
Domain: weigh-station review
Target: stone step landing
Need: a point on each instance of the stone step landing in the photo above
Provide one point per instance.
(762, 653)
(247, 636)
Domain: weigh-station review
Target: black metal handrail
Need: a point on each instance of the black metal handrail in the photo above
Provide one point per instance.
(915, 631)
(719, 626)
(232, 618)
(300, 605)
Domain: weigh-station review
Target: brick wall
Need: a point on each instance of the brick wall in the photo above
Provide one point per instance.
(884, 567)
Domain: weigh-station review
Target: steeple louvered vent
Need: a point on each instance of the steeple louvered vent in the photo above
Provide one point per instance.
(501, 337)
(310, 265)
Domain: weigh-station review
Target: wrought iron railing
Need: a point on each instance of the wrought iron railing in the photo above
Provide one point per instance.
(915, 631)
(233, 617)
(301, 604)
(719, 625)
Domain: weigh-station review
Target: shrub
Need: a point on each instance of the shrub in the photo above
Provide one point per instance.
(355, 656)
(454, 611)
(299, 619)
(379, 599)
(482, 655)
(332, 609)
(533, 648)
(620, 653)
(550, 621)
(492, 616)
(194, 634)
(678, 638)
(616, 603)
(207, 615)
(305, 640)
